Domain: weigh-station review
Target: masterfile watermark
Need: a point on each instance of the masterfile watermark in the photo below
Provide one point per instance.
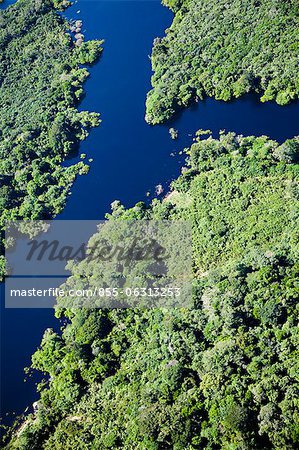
(117, 263)
(53, 250)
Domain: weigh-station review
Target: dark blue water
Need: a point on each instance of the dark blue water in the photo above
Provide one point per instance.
(6, 3)
(129, 157)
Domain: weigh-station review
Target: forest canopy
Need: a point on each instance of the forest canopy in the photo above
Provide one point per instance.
(41, 78)
(225, 49)
(222, 375)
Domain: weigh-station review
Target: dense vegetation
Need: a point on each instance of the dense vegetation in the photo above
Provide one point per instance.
(225, 49)
(223, 375)
(40, 85)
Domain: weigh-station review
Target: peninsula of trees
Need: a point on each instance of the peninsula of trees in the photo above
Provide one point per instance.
(41, 78)
(225, 49)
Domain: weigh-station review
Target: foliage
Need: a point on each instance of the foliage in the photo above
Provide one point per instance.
(173, 133)
(224, 50)
(41, 82)
(222, 375)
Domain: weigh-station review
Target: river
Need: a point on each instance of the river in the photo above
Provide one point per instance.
(129, 157)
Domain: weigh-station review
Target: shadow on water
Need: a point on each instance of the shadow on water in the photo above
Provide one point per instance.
(129, 157)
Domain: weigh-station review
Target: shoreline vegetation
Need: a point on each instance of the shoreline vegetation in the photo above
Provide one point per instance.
(42, 72)
(224, 50)
(223, 374)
